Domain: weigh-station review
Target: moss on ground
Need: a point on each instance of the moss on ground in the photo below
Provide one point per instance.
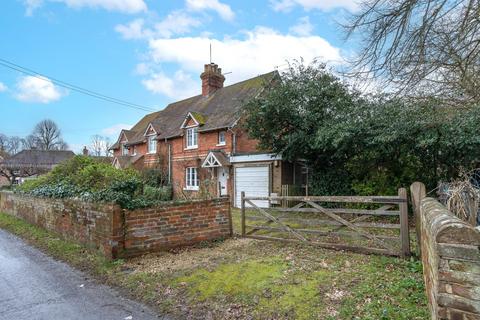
(241, 281)
(238, 279)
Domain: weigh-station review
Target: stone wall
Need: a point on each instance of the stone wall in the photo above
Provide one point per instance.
(451, 263)
(121, 233)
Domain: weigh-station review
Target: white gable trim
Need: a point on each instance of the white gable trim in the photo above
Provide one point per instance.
(148, 128)
(189, 116)
(122, 135)
(211, 161)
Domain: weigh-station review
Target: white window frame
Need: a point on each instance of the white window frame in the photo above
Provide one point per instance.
(125, 150)
(191, 178)
(220, 141)
(150, 140)
(191, 138)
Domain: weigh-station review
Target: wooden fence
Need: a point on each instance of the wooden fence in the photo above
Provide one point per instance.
(290, 190)
(334, 222)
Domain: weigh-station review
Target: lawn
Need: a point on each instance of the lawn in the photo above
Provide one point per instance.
(250, 279)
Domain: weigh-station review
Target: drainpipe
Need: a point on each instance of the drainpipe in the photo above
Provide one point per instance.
(234, 141)
(169, 161)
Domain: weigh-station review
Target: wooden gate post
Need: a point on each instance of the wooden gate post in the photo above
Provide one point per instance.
(404, 233)
(242, 197)
(418, 193)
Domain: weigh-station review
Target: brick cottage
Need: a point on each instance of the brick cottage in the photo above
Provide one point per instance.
(201, 145)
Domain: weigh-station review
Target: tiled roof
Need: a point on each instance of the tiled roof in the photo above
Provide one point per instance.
(37, 158)
(221, 157)
(220, 109)
(126, 161)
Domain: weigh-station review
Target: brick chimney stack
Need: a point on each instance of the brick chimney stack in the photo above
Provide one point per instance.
(212, 79)
(85, 151)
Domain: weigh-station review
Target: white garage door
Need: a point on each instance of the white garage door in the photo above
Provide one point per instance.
(254, 182)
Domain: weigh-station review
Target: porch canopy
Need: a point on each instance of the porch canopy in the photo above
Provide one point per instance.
(216, 158)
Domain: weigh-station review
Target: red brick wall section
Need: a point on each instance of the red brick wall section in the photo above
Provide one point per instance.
(244, 143)
(95, 225)
(122, 233)
(451, 263)
(176, 224)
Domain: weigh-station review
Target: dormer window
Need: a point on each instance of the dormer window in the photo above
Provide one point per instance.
(221, 138)
(192, 138)
(152, 144)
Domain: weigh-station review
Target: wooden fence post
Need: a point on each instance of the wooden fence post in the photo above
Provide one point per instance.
(472, 211)
(243, 212)
(404, 232)
(418, 193)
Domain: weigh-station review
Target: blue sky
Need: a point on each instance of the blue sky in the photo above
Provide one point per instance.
(146, 52)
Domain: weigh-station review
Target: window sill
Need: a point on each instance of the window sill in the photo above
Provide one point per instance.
(191, 148)
(190, 189)
(154, 152)
(221, 145)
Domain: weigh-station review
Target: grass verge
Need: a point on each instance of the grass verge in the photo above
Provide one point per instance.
(249, 279)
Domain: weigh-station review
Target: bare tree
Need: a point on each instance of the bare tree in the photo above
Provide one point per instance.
(100, 145)
(62, 145)
(47, 136)
(3, 142)
(108, 145)
(29, 142)
(14, 145)
(97, 145)
(419, 47)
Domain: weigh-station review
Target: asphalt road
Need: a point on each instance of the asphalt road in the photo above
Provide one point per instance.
(34, 286)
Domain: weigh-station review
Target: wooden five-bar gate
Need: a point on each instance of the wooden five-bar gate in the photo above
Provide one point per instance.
(374, 224)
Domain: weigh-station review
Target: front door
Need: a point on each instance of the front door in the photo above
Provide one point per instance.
(222, 180)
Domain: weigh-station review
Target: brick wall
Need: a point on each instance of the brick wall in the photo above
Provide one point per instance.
(451, 263)
(178, 224)
(95, 225)
(244, 143)
(117, 232)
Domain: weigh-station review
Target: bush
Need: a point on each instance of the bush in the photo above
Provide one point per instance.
(154, 177)
(58, 190)
(90, 180)
(157, 194)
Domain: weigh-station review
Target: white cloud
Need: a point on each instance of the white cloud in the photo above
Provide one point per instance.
(177, 22)
(38, 90)
(125, 6)
(303, 27)
(258, 52)
(134, 30)
(287, 5)
(31, 6)
(142, 69)
(180, 86)
(222, 9)
(115, 129)
(3, 87)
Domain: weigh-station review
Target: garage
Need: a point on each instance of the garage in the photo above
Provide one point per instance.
(254, 181)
